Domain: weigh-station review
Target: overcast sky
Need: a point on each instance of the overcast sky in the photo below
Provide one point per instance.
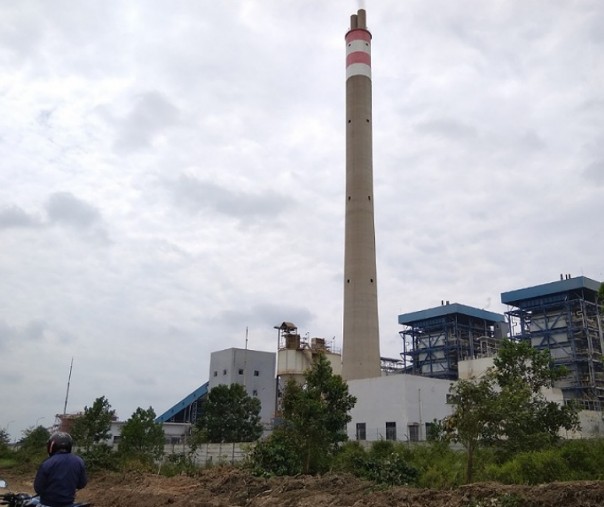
(172, 172)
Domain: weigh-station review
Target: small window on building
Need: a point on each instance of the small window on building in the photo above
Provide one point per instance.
(215, 373)
(390, 431)
(224, 372)
(256, 373)
(431, 431)
(254, 392)
(361, 431)
(240, 371)
(413, 432)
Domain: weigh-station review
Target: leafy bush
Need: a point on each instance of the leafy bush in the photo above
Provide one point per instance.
(346, 458)
(438, 465)
(392, 470)
(100, 457)
(536, 467)
(381, 449)
(506, 473)
(277, 455)
(381, 464)
(584, 458)
(178, 464)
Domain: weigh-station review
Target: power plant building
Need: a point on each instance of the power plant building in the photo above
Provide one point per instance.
(437, 339)
(253, 369)
(563, 318)
(399, 400)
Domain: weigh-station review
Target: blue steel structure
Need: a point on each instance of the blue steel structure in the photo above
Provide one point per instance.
(564, 318)
(186, 410)
(436, 339)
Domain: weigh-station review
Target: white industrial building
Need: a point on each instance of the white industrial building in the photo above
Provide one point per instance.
(396, 407)
(253, 369)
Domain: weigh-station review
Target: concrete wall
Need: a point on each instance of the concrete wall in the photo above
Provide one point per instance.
(592, 425)
(212, 454)
(175, 433)
(473, 368)
(405, 400)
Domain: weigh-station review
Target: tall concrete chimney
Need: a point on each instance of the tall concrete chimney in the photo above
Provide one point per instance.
(361, 340)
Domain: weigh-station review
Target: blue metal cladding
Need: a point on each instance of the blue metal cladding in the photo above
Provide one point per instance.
(557, 290)
(449, 309)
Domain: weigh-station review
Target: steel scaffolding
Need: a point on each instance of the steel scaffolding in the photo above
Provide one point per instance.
(435, 340)
(563, 317)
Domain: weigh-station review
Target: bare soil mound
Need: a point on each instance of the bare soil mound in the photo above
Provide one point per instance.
(222, 487)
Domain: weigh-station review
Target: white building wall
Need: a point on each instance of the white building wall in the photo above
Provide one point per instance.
(253, 369)
(401, 399)
(474, 368)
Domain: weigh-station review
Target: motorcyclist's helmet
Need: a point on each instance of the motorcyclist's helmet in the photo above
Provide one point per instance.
(59, 441)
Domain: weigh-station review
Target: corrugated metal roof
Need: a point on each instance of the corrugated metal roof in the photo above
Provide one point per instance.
(549, 289)
(449, 309)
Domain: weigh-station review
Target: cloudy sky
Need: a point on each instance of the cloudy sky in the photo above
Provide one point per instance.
(172, 173)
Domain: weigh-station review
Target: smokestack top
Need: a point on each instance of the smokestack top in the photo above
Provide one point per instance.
(358, 47)
(358, 21)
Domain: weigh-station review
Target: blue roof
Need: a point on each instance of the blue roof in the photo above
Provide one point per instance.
(184, 403)
(449, 309)
(548, 289)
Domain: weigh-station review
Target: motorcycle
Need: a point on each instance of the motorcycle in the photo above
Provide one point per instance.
(25, 500)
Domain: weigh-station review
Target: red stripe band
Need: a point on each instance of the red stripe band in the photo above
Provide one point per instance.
(358, 34)
(358, 57)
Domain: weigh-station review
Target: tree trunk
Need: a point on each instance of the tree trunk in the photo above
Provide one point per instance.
(470, 464)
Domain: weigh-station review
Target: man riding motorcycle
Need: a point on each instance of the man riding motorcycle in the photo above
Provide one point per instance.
(61, 474)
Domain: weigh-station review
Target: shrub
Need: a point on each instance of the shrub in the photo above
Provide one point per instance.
(584, 458)
(347, 456)
(100, 457)
(439, 466)
(381, 449)
(391, 469)
(536, 467)
(178, 464)
(277, 455)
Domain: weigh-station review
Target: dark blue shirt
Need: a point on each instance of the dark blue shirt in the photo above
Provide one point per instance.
(58, 477)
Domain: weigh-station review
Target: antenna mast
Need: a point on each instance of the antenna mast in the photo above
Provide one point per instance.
(68, 382)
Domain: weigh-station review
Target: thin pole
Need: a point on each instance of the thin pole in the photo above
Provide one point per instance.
(68, 382)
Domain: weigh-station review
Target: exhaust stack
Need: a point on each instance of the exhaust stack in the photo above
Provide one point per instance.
(361, 347)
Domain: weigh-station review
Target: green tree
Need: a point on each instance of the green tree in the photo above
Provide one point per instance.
(507, 406)
(93, 426)
(4, 441)
(527, 420)
(230, 415)
(142, 437)
(34, 438)
(316, 413)
(474, 416)
(32, 447)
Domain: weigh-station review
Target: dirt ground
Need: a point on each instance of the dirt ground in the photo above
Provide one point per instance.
(222, 487)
